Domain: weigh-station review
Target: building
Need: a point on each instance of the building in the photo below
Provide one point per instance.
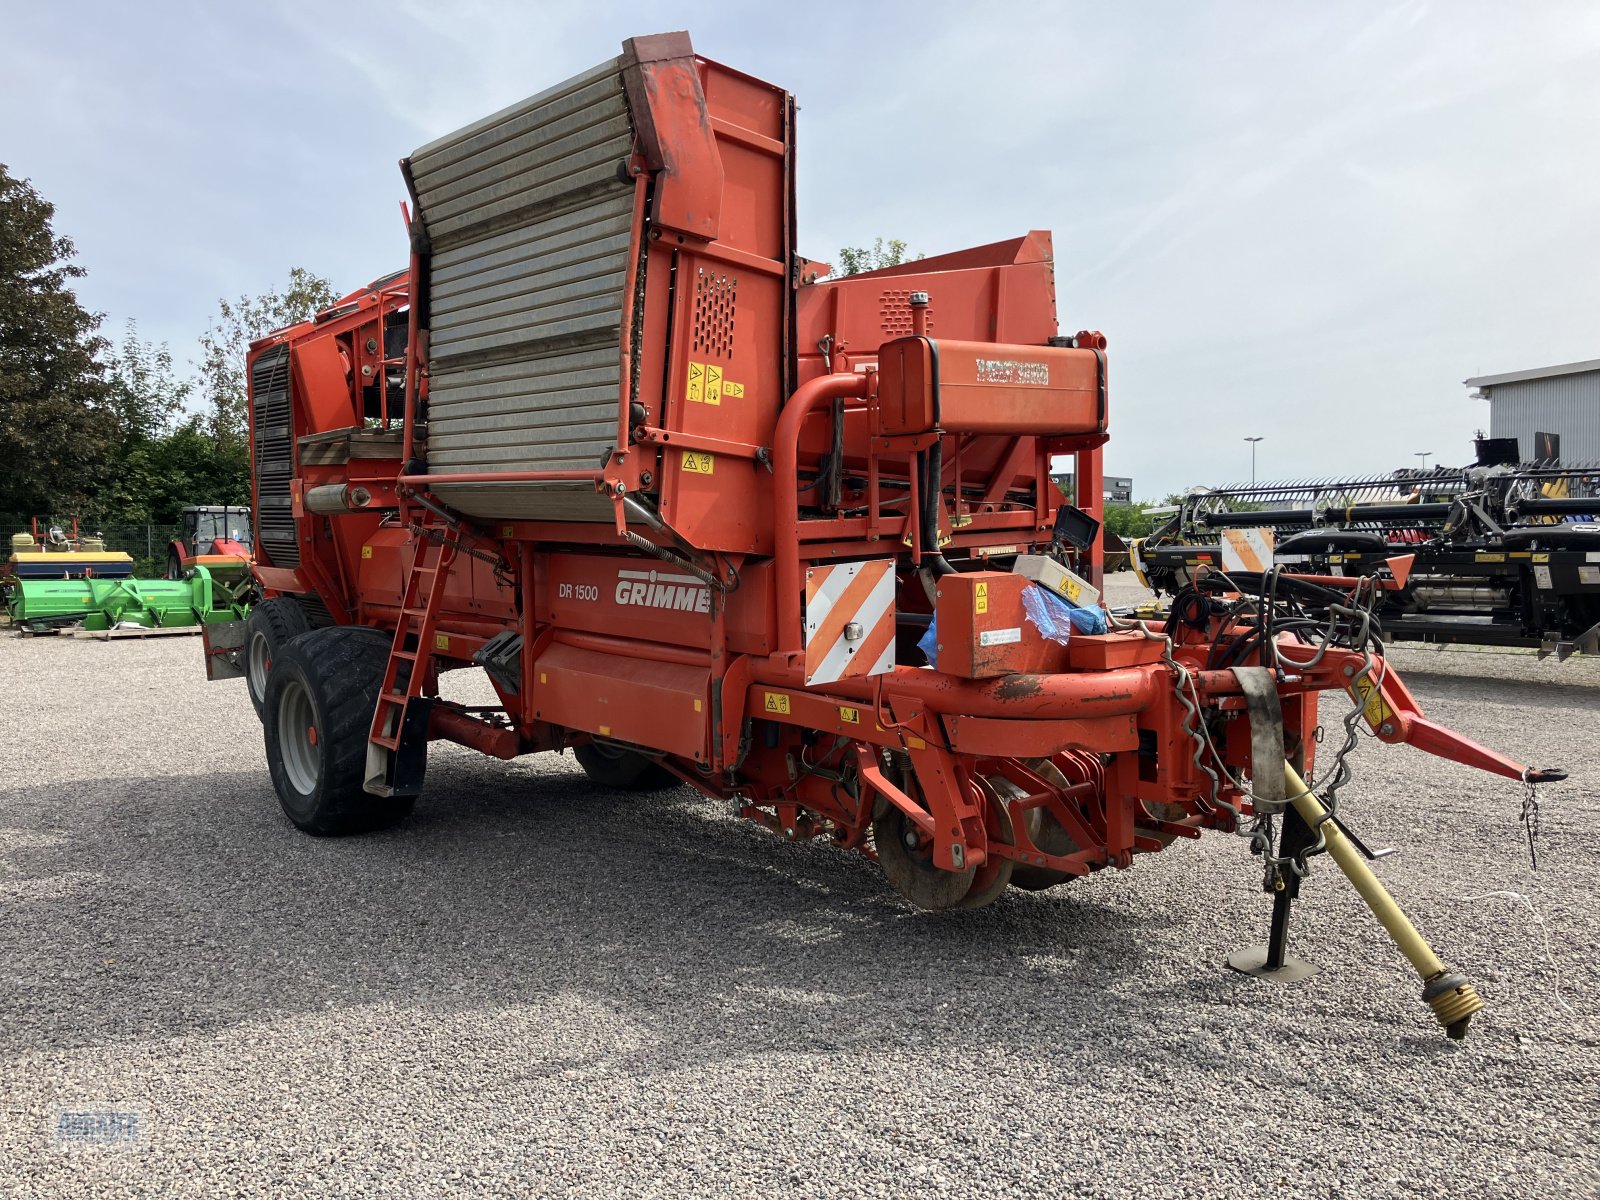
(1118, 489)
(1114, 489)
(1552, 412)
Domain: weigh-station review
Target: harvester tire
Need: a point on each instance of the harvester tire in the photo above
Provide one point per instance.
(321, 695)
(271, 626)
(624, 770)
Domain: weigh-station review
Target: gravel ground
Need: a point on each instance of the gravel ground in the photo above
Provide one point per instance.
(537, 988)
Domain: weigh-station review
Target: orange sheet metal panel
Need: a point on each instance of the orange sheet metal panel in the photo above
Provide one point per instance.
(1109, 651)
(980, 387)
(321, 384)
(624, 596)
(983, 630)
(727, 302)
(1030, 739)
(628, 698)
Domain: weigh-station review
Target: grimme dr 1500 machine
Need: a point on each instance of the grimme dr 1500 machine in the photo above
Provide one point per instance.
(708, 517)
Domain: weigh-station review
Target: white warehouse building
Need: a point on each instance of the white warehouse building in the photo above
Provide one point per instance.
(1534, 407)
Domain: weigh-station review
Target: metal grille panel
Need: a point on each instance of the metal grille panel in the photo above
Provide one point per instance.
(530, 216)
(894, 306)
(716, 300)
(272, 447)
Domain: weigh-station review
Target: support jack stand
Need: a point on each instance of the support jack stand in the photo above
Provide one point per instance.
(1273, 961)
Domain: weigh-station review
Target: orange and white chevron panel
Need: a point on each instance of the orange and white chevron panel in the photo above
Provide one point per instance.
(849, 620)
(1246, 549)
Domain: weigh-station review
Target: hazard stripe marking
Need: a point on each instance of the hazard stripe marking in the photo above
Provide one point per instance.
(1246, 549)
(838, 596)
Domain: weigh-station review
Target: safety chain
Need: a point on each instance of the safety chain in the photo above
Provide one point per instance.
(1530, 817)
(1193, 724)
(1340, 774)
(1262, 831)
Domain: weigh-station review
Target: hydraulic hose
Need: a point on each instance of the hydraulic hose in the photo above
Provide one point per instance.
(934, 565)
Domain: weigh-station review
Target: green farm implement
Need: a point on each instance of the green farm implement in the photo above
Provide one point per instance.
(96, 604)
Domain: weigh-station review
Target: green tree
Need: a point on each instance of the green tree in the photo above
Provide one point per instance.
(145, 392)
(57, 424)
(224, 345)
(853, 260)
(145, 396)
(1129, 520)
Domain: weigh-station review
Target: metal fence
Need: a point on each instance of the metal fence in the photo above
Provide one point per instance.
(146, 544)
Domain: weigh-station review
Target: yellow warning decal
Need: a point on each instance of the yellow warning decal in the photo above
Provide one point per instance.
(699, 462)
(913, 742)
(713, 384)
(605, 731)
(980, 599)
(1522, 554)
(698, 707)
(1541, 558)
(1485, 556)
(366, 552)
(777, 702)
(1373, 706)
(508, 530)
(850, 716)
(696, 388)
(1071, 590)
(441, 641)
(734, 391)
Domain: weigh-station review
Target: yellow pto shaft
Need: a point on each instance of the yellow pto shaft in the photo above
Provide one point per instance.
(1451, 997)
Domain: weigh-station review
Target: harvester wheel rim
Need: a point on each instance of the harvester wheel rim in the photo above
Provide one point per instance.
(301, 747)
(260, 662)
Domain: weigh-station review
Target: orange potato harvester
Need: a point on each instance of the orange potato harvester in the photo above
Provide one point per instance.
(693, 504)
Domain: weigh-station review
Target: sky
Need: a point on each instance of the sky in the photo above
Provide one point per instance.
(1304, 222)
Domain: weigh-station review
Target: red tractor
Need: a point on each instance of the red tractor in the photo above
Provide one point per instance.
(702, 515)
(216, 537)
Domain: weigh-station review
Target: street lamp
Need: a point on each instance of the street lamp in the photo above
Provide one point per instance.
(1253, 441)
(1423, 455)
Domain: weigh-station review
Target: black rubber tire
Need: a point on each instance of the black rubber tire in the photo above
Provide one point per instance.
(271, 626)
(174, 566)
(623, 770)
(328, 681)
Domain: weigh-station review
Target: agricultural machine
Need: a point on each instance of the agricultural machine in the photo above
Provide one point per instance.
(56, 581)
(216, 537)
(48, 551)
(1500, 554)
(705, 516)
